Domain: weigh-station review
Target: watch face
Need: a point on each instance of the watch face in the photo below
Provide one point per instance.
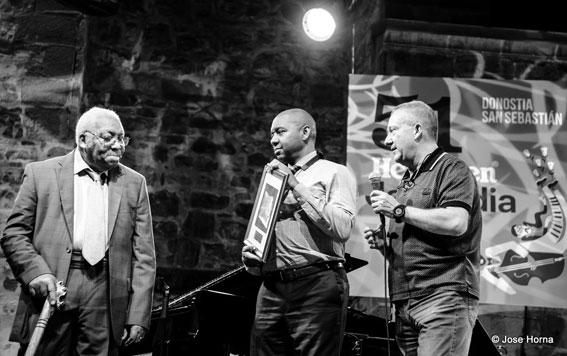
(398, 211)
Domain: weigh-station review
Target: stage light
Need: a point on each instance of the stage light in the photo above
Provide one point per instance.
(318, 24)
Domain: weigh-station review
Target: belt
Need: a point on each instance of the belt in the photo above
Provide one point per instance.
(79, 262)
(291, 274)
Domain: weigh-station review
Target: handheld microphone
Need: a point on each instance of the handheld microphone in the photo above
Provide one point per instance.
(375, 179)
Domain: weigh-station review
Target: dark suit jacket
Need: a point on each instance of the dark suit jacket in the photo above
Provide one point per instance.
(38, 235)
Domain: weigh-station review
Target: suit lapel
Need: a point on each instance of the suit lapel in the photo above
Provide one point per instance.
(65, 180)
(115, 186)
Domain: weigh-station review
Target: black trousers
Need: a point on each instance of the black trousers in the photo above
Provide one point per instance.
(306, 316)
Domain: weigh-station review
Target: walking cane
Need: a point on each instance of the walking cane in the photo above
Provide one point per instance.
(44, 316)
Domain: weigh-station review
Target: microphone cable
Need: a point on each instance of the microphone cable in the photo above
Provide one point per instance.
(388, 309)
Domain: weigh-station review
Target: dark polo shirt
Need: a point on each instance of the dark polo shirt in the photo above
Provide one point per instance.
(424, 262)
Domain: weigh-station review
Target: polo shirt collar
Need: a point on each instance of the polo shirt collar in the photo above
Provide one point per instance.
(429, 162)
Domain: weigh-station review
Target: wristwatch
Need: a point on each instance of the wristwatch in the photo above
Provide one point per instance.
(399, 212)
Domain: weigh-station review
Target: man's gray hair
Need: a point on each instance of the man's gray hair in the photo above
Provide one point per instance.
(423, 113)
(88, 121)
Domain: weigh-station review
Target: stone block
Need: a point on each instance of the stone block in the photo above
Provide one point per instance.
(204, 145)
(122, 99)
(52, 91)
(7, 32)
(7, 197)
(199, 224)
(180, 91)
(136, 124)
(241, 181)
(160, 153)
(49, 28)
(158, 35)
(186, 252)
(10, 90)
(232, 230)
(164, 203)
(208, 201)
(189, 42)
(147, 85)
(11, 174)
(551, 70)
(51, 6)
(57, 62)
(183, 161)
(206, 163)
(10, 123)
(166, 229)
(419, 62)
(258, 159)
(175, 120)
(327, 95)
(219, 254)
(57, 151)
(244, 210)
(174, 139)
(204, 121)
(55, 122)
(164, 257)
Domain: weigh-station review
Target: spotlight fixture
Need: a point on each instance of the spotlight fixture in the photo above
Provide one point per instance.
(318, 24)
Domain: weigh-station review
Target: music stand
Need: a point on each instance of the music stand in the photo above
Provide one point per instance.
(353, 263)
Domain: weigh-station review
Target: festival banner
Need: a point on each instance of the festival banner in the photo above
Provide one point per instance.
(513, 136)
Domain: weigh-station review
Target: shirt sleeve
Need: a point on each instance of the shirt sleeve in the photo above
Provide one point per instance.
(457, 186)
(334, 211)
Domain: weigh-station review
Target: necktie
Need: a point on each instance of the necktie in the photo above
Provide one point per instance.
(94, 242)
(295, 168)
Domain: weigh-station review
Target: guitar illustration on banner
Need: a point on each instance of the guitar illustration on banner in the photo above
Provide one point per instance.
(536, 249)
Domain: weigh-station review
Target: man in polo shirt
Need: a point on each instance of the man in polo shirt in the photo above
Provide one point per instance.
(302, 303)
(433, 238)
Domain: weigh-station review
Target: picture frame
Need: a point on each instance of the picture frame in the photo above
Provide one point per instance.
(265, 211)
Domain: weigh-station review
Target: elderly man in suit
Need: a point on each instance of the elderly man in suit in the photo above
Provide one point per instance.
(83, 219)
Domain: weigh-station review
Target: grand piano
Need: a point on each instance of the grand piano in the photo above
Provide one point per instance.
(215, 319)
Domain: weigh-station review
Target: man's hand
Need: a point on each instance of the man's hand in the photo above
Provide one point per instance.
(291, 180)
(373, 238)
(44, 285)
(383, 203)
(249, 258)
(132, 334)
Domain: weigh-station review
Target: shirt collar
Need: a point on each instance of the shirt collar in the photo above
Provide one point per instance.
(80, 165)
(432, 159)
(306, 159)
(428, 164)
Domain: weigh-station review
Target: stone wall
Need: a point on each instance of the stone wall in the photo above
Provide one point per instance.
(196, 84)
(41, 69)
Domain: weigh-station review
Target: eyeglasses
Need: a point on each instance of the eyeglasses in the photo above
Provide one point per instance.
(109, 140)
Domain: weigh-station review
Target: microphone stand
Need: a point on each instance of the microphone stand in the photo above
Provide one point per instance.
(378, 184)
(162, 336)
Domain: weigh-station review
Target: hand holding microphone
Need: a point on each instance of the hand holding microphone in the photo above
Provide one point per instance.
(382, 203)
(375, 179)
(375, 237)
